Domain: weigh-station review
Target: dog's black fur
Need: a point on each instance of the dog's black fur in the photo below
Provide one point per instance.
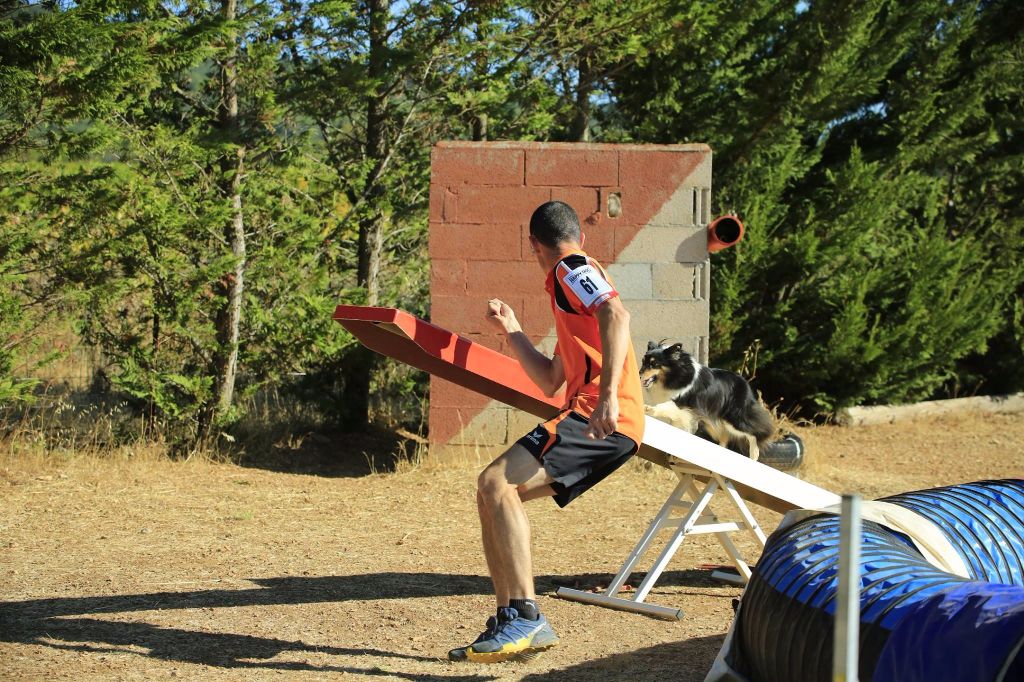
(715, 404)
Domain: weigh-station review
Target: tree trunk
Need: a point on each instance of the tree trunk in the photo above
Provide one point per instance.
(229, 317)
(480, 127)
(371, 241)
(371, 225)
(584, 87)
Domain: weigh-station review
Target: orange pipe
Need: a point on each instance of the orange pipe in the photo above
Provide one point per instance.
(723, 232)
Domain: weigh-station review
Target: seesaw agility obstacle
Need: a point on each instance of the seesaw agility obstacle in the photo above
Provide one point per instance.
(941, 572)
(704, 469)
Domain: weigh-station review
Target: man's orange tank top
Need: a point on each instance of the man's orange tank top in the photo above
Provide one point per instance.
(578, 286)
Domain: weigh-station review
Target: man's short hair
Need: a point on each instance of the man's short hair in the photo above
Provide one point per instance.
(555, 222)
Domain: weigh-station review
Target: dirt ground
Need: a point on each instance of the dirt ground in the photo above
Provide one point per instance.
(149, 569)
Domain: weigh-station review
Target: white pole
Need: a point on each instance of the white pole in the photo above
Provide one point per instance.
(847, 626)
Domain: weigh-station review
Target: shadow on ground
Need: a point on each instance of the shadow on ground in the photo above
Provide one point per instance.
(683, 661)
(62, 622)
(332, 454)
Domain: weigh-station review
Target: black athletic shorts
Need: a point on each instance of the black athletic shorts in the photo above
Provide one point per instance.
(577, 463)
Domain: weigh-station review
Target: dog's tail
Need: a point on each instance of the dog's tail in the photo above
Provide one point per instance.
(759, 423)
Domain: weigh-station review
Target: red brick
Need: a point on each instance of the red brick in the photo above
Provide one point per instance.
(599, 239)
(447, 277)
(496, 279)
(580, 167)
(536, 316)
(640, 204)
(465, 315)
(582, 199)
(436, 203)
(450, 207)
(477, 165)
(496, 341)
(445, 422)
(476, 242)
(653, 168)
(482, 204)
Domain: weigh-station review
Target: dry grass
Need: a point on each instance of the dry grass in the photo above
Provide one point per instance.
(129, 565)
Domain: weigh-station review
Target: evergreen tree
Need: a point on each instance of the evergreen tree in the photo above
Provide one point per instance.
(843, 133)
(158, 208)
(57, 63)
(383, 81)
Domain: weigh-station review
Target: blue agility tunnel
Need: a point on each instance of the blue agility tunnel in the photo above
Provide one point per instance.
(918, 622)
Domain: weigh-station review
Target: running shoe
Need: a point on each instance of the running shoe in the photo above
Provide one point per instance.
(459, 654)
(515, 638)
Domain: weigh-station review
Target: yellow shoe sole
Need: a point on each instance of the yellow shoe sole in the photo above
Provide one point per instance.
(529, 653)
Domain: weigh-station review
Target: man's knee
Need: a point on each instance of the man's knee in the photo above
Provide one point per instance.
(491, 485)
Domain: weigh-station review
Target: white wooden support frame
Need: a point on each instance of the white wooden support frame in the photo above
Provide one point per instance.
(698, 519)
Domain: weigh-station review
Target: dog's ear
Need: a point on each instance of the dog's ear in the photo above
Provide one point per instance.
(651, 345)
(675, 350)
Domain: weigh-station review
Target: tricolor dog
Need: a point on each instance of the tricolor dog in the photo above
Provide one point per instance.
(715, 404)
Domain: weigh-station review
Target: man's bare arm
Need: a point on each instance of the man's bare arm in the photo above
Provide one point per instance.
(547, 373)
(613, 319)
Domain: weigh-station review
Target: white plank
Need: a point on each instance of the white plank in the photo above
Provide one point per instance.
(778, 490)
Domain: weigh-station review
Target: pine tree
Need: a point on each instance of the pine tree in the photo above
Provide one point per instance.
(155, 209)
(843, 134)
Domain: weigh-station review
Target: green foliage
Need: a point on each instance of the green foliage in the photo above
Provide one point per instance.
(18, 315)
(873, 150)
(849, 138)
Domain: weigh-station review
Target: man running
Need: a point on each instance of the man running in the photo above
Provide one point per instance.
(598, 429)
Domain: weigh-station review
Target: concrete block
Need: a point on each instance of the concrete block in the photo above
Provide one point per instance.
(470, 427)
(677, 281)
(656, 320)
(547, 344)
(447, 277)
(535, 314)
(610, 202)
(495, 241)
(464, 456)
(702, 206)
(492, 338)
(436, 212)
(498, 204)
(581, 167)
(466, 315)
(664, 245)
(487, 427)
(703, 290)
(444, 393)
(584, 200)
(449, 206)
(498, 279)
(481, 197)
(520, 423)
(632, 280)
(480, 165)
(703, 350)
(599, 239)
(644, 167)
(678, 211)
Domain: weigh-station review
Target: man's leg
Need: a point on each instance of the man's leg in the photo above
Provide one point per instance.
(518, 630)
(504, 485)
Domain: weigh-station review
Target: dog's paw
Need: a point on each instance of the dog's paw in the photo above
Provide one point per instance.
(650, 410)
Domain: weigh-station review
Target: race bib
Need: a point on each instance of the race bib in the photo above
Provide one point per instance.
(589, 285)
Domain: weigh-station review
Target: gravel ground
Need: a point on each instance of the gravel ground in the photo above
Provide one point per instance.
(143, 568)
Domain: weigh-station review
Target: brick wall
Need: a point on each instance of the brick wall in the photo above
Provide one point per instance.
(644, 212)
